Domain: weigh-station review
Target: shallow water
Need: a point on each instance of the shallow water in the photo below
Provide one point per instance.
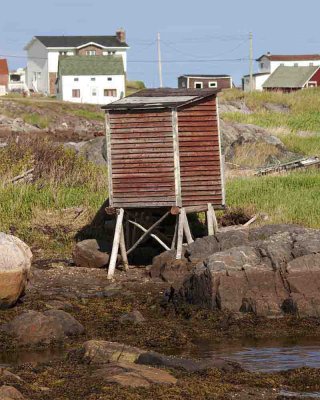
(262, 355)
(16, 357)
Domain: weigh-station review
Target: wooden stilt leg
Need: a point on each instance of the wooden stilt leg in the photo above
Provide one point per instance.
(215, 222)
(115, 246)
(128, 235)
(180, 236)
(186, 227)
(123, 251)
(210, 220)
(174, 240)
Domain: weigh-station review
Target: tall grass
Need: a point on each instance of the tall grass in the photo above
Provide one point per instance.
(292, 198)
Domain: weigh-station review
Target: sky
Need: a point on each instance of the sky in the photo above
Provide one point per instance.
(203, 36)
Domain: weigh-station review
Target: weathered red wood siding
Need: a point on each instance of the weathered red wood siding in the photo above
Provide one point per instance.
(200, 154)
(316, 78)
(222, 83)
(142, 158)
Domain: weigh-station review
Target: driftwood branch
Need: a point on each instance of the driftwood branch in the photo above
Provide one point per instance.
(21, 177)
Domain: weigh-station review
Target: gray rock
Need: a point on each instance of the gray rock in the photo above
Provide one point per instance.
(34, 327)
(135, 317)
(187, 364)
(88, 254)
(93, 150)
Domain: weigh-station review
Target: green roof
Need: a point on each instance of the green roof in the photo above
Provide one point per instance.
(290, 77)
(91, 65)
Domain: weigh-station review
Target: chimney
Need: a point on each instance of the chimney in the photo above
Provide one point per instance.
(121, 35)
(268, 54)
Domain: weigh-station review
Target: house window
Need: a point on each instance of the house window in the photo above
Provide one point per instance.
(93, 91)
(198, 85)
(93, 79)
(109, 79)
(295, 64)
(75, 92)
(261, 65)
(213, 84)
(110, 92)
(311, 64)
(76, 79)
(90, 52)
(282, 64)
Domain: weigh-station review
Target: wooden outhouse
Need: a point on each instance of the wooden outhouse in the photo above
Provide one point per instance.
(164, 152)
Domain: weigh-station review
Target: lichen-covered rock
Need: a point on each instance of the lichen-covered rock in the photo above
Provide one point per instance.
(15, 263)
(135, 317)
(103, 352)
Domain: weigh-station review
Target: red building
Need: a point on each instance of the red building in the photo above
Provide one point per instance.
(4, 73)
(205, 82)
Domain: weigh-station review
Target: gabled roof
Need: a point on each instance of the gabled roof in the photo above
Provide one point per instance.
(290, 57)
(76, 41)
(4, 70)
(90, 65)
(290, 77)
(205, 76)
(160, 98)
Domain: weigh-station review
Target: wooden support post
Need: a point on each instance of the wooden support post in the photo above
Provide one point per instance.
(147, 232)
(174, 240)
(186, 227)
(215, 222)
(180, 235)
(116, 242)
(210, 220)
(123, 251)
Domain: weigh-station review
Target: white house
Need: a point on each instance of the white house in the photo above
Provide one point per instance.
(91, 79)
(268, 63)
(43, 55)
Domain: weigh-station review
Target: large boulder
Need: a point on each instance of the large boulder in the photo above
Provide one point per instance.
(270, 277)
(32, 327)
(15, 263)
(88, 254)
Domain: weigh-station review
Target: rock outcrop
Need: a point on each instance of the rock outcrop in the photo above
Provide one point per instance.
(10, 393)
(15, 263)
(32, 327)
(271, 277)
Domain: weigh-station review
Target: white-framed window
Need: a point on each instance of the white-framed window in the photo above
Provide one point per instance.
(90, 52)
(311, 64)
(109, 79)
(213, 84)
(93, 79)
(93, 91)
(76, 79)
(198, 85)
(75, 92)
(110, 92)
(282, 64)
(295, 64)
(312, 84)
(262, 65)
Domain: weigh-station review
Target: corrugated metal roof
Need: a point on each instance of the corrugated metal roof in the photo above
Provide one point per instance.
(290, 77)
(160, 98)
(4, 70)
(91, 65)
(76, 41)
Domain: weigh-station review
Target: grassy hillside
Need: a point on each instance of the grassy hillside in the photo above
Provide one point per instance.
(297, 124)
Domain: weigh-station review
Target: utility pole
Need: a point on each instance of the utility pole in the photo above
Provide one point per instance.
(251, 61)
(159, 60)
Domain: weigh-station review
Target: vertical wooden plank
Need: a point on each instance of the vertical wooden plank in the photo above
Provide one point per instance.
(123, 251)
(176, 156)
(109, 161)
(180, 236)
(186, 227)
(220, 153)
(210, 220)
(215, 222)
(116, 242)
